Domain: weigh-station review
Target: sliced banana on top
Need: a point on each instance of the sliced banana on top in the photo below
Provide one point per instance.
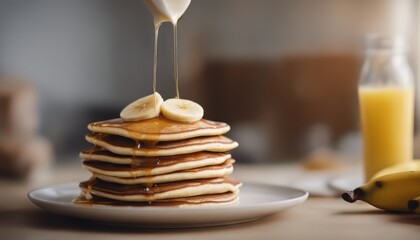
(182, 110)
(143, 108)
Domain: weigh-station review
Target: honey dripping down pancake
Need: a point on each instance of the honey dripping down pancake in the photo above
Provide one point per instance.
(144, 173)
(142, 193)
(129, 147)
(160, 152)
(121, 170)
(202, 200)
(159, 129)
(128, 176)
(156, 165)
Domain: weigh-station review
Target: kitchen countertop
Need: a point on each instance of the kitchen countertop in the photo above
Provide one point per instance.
(318, 218)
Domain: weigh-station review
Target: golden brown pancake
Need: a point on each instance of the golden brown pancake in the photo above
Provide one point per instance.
(157, 165)
(159, 129)
(124, 174)
(129, 147)
(203, 200)
(142, 193)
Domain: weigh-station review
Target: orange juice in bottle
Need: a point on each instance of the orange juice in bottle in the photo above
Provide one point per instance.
(386, 99)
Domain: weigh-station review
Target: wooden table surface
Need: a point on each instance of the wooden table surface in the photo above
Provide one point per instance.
(318, 218)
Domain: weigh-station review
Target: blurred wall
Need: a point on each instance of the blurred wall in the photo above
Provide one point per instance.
(249, 28)
(90, 58)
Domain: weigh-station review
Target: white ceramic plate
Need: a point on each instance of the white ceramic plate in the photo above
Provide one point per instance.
(256, 201)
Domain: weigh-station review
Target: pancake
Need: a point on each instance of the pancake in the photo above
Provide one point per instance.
(203, 200)
(127, 175)
(159, 129)
(146, 166)
(158, 162)
(141, 193)
(129, 147)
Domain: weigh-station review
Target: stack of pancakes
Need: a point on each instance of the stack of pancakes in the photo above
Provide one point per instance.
(159, 162)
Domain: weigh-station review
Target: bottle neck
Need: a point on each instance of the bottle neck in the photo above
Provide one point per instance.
(383, 59)
(386, 68)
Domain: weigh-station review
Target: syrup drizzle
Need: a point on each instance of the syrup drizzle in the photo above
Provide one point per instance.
(135, 162)
(88, 194)
(176, 70)
(155, 55)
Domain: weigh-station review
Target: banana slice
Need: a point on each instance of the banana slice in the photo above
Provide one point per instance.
(182, 110)
(143, 108)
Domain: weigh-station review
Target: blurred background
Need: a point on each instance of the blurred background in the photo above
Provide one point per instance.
(282, 73)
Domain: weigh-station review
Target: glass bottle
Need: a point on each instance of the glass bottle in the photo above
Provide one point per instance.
(386, 99)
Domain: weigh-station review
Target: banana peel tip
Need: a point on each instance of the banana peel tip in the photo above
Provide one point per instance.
(353, 196)
(413, 205)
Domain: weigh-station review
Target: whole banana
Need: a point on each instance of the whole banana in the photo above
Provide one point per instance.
(388, 192)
